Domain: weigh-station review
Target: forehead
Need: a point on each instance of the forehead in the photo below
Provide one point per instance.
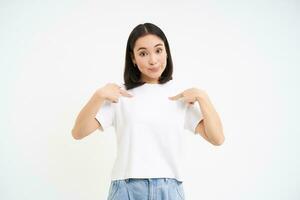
(148, 41)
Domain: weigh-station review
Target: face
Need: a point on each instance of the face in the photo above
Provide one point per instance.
(150, 57)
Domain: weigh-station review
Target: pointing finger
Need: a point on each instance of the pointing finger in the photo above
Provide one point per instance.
(176, 97)
(125, 93)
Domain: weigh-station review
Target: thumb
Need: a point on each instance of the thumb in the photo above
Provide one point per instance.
(176, 97)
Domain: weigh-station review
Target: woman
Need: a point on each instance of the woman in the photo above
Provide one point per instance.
(149, 113)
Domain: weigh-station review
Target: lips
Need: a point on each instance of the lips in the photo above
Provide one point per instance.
(154, 69)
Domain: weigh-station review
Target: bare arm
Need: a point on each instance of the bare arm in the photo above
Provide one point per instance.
(85, 122)
(210, 128)
(200, 129)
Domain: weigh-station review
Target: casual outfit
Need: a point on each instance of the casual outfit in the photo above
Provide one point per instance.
(149, 130)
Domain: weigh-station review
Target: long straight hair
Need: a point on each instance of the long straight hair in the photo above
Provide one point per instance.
(132, 74)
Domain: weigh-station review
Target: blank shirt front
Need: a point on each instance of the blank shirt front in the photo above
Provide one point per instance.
(149, 129)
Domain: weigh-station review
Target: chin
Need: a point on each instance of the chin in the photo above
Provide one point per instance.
(154, 77)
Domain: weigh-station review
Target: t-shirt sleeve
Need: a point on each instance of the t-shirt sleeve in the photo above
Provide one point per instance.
(193, 116)
(105, 115)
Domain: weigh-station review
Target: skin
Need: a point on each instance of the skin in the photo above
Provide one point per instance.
(150, 53)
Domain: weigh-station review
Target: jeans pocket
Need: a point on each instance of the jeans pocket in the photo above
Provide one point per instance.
(113, 189)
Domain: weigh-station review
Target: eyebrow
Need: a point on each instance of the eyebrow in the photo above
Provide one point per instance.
(159, 44)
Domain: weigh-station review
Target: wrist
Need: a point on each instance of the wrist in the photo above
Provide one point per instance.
(99, 95)
(202, 96)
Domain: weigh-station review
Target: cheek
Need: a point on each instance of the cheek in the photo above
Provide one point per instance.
(142, 65)
(164, 58)
(140, 62)
(164, 61)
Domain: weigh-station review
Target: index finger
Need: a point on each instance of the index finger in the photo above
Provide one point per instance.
(125, 93)
(178, 96)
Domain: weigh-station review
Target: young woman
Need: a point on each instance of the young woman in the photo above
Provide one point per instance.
(149, 113)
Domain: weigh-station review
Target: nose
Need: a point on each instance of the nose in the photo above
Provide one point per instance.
(152, 59)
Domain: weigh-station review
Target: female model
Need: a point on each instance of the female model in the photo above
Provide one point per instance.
(149, 113)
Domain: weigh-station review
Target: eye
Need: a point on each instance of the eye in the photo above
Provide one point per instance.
(142, 54)
(159, 50)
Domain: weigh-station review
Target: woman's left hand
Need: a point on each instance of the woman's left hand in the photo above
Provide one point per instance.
(190, 95)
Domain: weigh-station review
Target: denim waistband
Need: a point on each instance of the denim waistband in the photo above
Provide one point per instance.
(156, 181)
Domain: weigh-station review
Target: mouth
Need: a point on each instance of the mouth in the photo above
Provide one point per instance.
(154, 69)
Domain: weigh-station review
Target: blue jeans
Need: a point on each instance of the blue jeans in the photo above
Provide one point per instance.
(146, 189)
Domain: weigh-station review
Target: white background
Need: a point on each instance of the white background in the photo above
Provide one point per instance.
(55, 54)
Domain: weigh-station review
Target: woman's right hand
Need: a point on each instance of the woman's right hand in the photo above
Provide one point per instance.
(112, 92)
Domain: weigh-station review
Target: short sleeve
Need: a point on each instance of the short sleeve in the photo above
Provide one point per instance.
(105, 115)
(193, 116)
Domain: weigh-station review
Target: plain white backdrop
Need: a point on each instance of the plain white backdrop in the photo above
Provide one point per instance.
(55, 54)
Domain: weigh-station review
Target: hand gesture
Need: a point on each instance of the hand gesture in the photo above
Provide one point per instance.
(189, 96)
(112, 92)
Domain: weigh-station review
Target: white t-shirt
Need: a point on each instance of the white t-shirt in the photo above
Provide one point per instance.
(149, 129)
